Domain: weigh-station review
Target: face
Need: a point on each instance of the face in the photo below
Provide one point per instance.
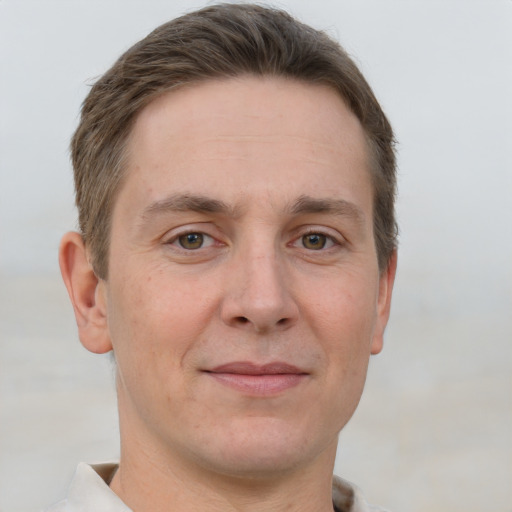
(244, 297)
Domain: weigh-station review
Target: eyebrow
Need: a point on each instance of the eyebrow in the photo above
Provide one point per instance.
(202, 204)
(306, 204)
(189, 202)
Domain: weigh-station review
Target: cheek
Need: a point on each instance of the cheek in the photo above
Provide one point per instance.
(347, 335)
(344, 312)
(156, 319)
(344, 319)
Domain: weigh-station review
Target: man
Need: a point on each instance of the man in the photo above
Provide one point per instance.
(235, 182)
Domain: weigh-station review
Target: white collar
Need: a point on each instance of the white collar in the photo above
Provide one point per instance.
(89, 492)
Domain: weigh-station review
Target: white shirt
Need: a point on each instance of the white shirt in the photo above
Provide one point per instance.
(89, 492)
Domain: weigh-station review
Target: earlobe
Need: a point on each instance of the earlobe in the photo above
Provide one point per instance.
(87, 294)
(386, 282)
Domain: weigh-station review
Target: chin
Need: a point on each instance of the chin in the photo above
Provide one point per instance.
(267, 450)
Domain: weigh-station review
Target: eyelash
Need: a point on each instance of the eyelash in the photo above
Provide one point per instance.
(334, 241)
(175, 240)
(330, 240)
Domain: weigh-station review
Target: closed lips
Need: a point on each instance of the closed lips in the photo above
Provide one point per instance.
(258, 380)
(247, 368)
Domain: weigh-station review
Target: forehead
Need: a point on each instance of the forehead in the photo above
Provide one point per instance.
(255, 106)
(247, 134)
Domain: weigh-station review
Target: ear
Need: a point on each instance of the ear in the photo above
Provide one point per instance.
(87, 294)
(386, 281)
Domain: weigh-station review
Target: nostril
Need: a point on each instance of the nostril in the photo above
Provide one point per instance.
(242, 319)
(282, 321)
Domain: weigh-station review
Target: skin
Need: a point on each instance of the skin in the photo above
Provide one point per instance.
(243, 233)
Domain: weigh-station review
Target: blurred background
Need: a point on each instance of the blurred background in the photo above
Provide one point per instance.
(434, 428)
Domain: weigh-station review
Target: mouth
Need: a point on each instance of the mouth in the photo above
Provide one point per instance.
(258, 380)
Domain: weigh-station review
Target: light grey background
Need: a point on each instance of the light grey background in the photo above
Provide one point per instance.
(434, 428)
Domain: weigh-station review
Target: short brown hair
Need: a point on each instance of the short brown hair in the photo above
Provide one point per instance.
(220, 41)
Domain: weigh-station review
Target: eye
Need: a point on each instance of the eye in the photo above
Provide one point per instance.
(316, 241)
(193, 241)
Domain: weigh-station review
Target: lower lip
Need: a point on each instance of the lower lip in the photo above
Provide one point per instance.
(259, 385)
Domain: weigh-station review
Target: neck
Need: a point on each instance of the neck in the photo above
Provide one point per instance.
(146, 481)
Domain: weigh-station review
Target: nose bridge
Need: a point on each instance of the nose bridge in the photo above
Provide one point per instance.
(259, 296)
(264, 277)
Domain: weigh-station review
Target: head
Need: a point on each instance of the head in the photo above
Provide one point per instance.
(217, 42)
(235, 183)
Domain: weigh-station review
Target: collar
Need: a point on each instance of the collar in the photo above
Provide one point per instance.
(89, 491)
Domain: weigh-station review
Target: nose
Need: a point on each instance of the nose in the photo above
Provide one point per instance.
(258, 295)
